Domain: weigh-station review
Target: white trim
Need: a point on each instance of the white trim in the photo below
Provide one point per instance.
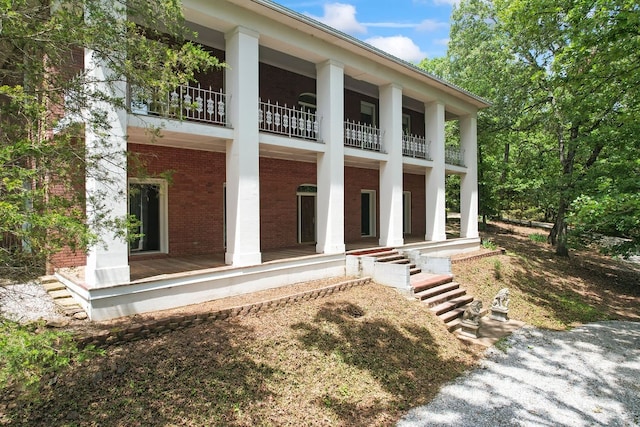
(372, 212)
(164, 211)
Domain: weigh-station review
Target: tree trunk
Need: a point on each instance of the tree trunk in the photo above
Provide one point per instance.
(558, 235)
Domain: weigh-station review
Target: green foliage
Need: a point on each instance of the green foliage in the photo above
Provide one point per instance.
(30, 354)
(562, 78)
(49, 101)
(537, 237)
(497, 269)
(489, 244)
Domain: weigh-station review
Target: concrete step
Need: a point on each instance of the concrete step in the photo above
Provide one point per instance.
(60, 293)
(399, 261)
(389, 258)
(414, 270)
(444, 296)
(53, 286)
(369, 252)
(387, 252)
(48, 279)
(436, 290)
(454, 325)
(423, 281)
(451, 304)
(451, 315)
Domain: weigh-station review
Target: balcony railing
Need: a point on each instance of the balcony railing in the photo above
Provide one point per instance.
(363, 136)
(454, 156)
(416, 146)
(185, 103)
(292, 122)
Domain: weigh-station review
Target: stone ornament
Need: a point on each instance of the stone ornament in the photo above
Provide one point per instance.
(500, 306)
(472, 313)
(470, 324)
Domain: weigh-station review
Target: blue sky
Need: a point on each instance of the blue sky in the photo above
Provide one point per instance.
(408, 29)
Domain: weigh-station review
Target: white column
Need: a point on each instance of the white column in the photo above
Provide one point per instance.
(330, 113)
(391, 170)
(106, 184)
(469, 181)
(435, 182)
(243, 179)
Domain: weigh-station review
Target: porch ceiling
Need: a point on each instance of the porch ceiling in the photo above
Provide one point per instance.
(178, 140)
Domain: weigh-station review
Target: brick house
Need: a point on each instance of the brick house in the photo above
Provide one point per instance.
(308, 144)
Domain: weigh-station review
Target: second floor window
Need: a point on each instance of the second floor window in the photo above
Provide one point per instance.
(367, 113)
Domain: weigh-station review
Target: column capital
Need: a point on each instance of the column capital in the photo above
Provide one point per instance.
(329, 61)
(241, 30)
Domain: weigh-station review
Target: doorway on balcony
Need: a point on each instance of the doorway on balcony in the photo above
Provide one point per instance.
(306, 195)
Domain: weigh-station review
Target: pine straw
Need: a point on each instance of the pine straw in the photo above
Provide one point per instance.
(360, 357)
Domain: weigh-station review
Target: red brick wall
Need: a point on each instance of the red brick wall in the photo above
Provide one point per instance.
(356, 180)
(416, 185)
(195, 196)
(279, 182)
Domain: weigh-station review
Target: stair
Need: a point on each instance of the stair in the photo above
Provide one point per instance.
(392, 256)
(444, 297)
(62, 298)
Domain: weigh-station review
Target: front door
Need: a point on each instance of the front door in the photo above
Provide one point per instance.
(144, 204)
(307, 218)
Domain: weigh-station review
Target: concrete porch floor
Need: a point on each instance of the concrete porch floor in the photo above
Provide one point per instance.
(145, 267)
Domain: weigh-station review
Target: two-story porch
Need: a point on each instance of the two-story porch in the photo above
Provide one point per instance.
(307, 140)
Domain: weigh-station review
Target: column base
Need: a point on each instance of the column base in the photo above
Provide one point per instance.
(99, 277)
(242, 259)
(435, 238)
(338, 248)
(392, 243)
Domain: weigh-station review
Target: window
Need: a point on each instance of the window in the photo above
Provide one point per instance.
(148, 203)
(406, 124)
(367, 113)
(307, 101)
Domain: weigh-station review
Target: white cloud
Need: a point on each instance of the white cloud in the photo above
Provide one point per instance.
(430, 25)
(341, 17)
(400, 46)
(442, 42)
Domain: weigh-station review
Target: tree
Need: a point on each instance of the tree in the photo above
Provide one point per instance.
(45, 95)
(583, 59)
(563, 78)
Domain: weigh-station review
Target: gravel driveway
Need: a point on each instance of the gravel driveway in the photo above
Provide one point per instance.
(589, 376)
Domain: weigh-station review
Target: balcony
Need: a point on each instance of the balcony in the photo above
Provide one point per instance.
(363, 136)
(454, 156)
(183, 103)
(287, 121)
(416, 147)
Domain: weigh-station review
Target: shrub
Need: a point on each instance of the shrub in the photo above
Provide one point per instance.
(29, 354)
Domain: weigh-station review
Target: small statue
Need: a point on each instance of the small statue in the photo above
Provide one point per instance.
(472, 313)
(500, 306)
(501, 300)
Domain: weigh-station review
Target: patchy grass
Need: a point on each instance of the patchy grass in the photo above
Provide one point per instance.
(550, 291)
(361, 357)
